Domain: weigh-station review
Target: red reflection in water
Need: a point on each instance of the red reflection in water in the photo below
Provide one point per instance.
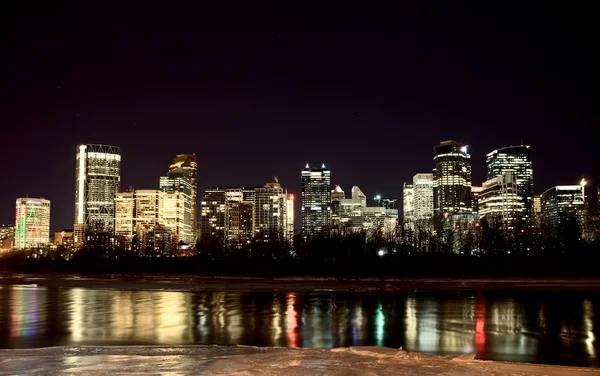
(291, 321)
(480, 337)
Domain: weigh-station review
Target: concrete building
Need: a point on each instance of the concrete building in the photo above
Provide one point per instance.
(452, 178)
(98, 173)
(32, 223)
(422, 197)
(316, 201)
(65, 238)
(408, 207)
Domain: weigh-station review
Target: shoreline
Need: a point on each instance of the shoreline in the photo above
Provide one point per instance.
(249, 360)
(183, 282)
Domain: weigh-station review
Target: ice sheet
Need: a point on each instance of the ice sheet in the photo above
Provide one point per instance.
(242, 360)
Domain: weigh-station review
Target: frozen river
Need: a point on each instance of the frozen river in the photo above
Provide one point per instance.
(551, 327)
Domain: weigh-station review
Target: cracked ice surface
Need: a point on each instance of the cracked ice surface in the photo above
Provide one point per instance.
(242, 360)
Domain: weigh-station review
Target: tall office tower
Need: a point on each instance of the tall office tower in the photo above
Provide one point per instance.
(32, 223)
(239, 215)
(270, 217)
(98, 177)
(125, 218)
(289, 223)
(316, 201)
(137, 212)
(386, 202)
(182, 181)
(516, 160)
(562, 200)
(357, 194)
(537, 205)
(213, 215)
(475, 195)
(500, 199)
(422, 197)
(408, 207)
(451, 178)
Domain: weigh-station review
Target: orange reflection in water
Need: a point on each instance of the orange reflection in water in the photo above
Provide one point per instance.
(291, 320)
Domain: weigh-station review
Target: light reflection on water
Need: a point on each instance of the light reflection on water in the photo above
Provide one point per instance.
(544, 327)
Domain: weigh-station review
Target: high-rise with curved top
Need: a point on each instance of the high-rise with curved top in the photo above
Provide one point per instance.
(98, 176)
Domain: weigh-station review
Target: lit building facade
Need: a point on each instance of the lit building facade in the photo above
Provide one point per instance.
(515, 160)
(213, 215)
(65, 238)
(562, 200)
(139, 211)
(422, 197)
(408, 207)
(451, 178)
(7, 237)
(379, 218)
(475, 195)
(32, 223)
(98, 173)
(316, 201)
(270, 212)
(290, 222)
(499, 198)
(181, 180)
(348, 216)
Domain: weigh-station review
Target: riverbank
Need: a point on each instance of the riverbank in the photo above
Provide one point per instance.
(176, 282)
(242, 360)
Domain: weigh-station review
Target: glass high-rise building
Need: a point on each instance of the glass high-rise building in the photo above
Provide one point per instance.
(499, 198)
(452, 178)
(562, 200)
(32, 223)
(98, 174)
(181, 180)
(270, 212)
(316, 201)
(515, 160)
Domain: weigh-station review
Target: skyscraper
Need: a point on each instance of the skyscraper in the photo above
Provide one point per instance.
(138, 212)
(408, 205)
(98, 174)
(182, 181)
(213, 216)
(316, 201)
(32, 223)
(451, 178)
(499, 198)
(562, 200)
(270, 212)
(423, 196)
(516, 160)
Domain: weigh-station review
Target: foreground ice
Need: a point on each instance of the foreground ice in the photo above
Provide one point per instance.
(241, 360)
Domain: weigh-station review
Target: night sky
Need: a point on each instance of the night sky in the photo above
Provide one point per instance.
(257, 92)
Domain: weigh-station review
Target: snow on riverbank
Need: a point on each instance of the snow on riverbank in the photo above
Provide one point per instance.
(242, 360)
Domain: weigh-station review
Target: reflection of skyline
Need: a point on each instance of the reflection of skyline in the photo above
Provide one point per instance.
(492, 326)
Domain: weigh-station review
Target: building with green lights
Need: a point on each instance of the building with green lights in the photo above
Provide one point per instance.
(32, 223)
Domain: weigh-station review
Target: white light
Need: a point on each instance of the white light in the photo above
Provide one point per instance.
(381, 252)
(463, 150)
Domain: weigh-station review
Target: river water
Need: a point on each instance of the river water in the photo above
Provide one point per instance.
(537, 327)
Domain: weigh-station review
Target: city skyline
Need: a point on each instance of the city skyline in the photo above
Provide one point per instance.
(374, 101)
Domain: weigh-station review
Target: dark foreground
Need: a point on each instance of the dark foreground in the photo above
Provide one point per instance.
(236, 360)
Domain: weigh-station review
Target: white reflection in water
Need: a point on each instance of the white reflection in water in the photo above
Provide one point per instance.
(379, 324)
(588, 327)
(427, 330)
(275, 324)
(77, 309)
(410, 323)
(358, 320)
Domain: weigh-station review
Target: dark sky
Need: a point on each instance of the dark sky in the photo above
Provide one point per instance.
(256, 91)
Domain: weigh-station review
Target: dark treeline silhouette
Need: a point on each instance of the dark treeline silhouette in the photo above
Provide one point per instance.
(434, 249)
